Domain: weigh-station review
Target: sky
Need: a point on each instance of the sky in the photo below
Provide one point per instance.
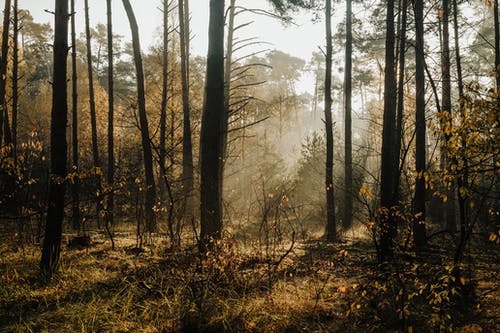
(299, 40)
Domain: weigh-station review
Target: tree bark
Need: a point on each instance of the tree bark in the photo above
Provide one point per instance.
(111, 119)
(227, 71)
(331, 227)
(419, 212)
(4, 119)
(348, 191)
(446, 109)
(15, 76)
(163, 125)
(58, 145)
(75, 188)
(388, 200)
(400, 96)
(145, 139)
(93, 117)
(497, 47)
(211, 137)
(187, 146)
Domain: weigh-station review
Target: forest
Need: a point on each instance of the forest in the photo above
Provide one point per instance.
(147, 188)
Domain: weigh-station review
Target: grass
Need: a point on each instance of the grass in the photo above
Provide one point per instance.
(317, 288)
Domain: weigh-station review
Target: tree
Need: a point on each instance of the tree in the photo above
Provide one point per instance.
(4, 118)
(187, 146)
(227, 71)
(111, 116)
(446, 108)
(143, 120)
(419, 229)
(58, 145)
(331, 227)
(497, 47)
(400, 96)
(15, 75)
(93, 119)
(75, 189)
(348, 190)
(387, 194)
(211, 137)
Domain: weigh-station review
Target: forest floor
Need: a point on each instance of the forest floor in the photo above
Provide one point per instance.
(314, 288)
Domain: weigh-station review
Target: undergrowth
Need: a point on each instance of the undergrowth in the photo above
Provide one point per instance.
(316, 288)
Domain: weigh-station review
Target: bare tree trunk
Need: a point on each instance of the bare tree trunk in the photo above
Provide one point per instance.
(93, 118)
(187, 146)
(348, 191)
(163, 125)
(111, 119)
(497, 43)
(387, 196)
(15, 76)
(141, 101)
(4, 119)
(58, 146)
(462, 180)
(446, 108)
(227, 71)
(331, 226)
(75, 188)
(400, 96)
(497, 71)
(211, 138)
(419, 213)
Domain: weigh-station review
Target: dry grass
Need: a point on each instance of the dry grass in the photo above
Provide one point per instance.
(99, 290)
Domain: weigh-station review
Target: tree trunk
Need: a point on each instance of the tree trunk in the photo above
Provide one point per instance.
(348, 191)
(497, 47)
(496, 22)
(93, 119)
(331, 227)
(4, 119)
(211, 137)
(446, 109)
(227, 72)
(75, 188)
(388, 200)
(111, 119)
(163, 126)
(58, 146)
(15, 76)
(187, 146)
(419, 213)
(141, 101)
(400, 95)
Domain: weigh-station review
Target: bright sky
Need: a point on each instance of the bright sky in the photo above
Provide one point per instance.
(300, 40)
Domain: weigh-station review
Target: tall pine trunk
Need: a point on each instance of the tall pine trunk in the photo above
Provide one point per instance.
(446, 109)
(400, 96)
(93, 117)
(58, 146)
(75, 188)
(348, 191)
(166, 189)
(419, 213)
(4, 119)
(227, 71)
(111, 118)
(15, 76)
(212, 124)
(388, 200)
(497, 71)
(145, 139)
(331, 227)
(187, 146)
